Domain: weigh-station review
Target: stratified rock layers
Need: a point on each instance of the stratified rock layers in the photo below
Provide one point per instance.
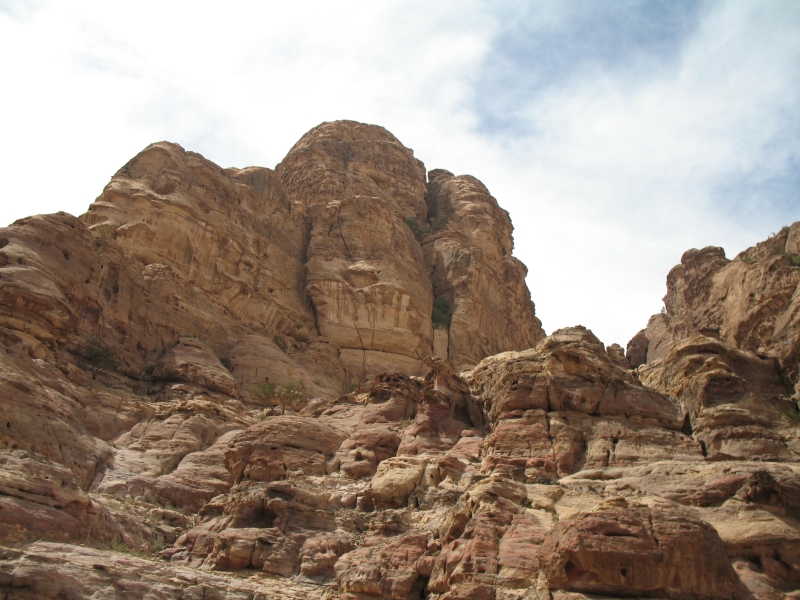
(751, 302)
(469, 256)
(328, 381)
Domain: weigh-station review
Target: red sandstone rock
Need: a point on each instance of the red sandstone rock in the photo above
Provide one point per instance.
(280, 445)
(635, 550)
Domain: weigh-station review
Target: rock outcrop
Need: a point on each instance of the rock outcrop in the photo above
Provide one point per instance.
(468, 252)
(750, 303)
(328, 381)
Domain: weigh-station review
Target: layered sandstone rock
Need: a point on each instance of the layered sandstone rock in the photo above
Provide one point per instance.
(229, 233)
(736, 403)
(468, 253)
(365, 273)
(143, 341)
(668, 553)
(751, 302)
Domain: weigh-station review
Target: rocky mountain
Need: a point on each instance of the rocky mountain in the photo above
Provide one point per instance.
(327, 380)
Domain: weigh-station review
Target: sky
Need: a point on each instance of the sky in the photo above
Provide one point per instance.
(617, 133)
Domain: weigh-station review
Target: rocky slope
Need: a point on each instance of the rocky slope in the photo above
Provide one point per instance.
(425, 440)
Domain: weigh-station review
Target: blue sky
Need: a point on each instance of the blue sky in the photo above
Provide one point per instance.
(617, 134)
(547, 45)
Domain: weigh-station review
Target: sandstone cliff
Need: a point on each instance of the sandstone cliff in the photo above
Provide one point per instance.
(751, 302)
(328, 381)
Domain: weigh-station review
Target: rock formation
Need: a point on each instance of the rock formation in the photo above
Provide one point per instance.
(750, 303)
(328, 381)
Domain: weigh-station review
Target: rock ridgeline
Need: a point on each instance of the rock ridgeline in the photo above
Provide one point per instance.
(328, 381)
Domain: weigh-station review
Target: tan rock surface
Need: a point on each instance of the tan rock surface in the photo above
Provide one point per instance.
(271, 450)
(346, 159)
(229, 233)
(192, 361)
(366, 275)
(469, 255)
(133, 339)
(749, 303)
(368, 283)
(45, 571)
(395, 478)
(736, 402)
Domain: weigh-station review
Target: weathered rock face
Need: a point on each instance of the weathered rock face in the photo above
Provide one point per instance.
(469, 255)
(643, 551)
(751, 302)
(369, 287)
(231, 234)
(365, 274)
(564, 404)
(346, 159)
(736, 402)
(271, 450)
(144, 343)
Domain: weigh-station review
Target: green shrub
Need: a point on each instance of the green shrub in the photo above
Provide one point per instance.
(281, 343)
(415, 227)
(264, 392)
(352, 388)
(226, 362)
(794, 259)
(438, 223)
(148, 370)
(747, 258)
(421, 230)
(120, 546)
(99, 355)
(289, 395)
(442, 312)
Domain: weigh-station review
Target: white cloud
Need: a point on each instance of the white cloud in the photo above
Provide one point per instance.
(616, 174)
(625, 170)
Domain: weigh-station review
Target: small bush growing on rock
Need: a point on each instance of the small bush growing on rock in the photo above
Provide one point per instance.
(264, 392)
(148, 370)
(442, 312)
(438, 223)
(420, 231)
(794, 259)
(281, 343)
(99, 355)
(791, 413)
(120, 546)
(226, 362)
(288, 395)
(415, 227)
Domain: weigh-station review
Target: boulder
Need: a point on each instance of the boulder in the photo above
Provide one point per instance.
(271, 450)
